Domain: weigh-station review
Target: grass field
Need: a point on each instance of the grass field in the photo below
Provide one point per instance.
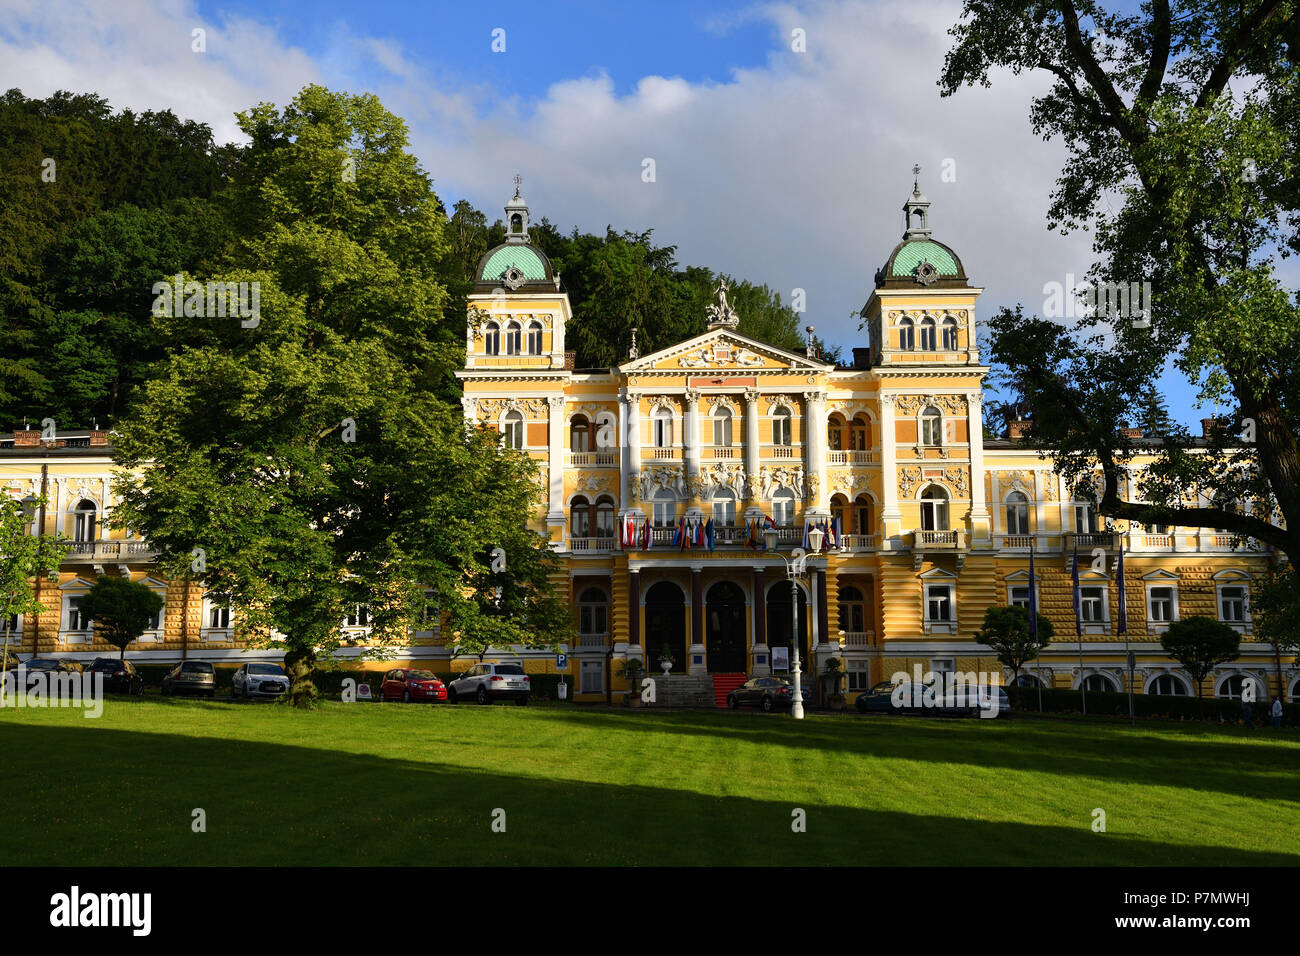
(393, 784)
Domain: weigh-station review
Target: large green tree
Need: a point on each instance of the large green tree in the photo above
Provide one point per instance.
(305, 463)
(1006, 630)
(121, 609)
(25, 559)
(1200, 644)
(1181, 120)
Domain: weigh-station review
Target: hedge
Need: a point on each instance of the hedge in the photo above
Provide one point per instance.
(1111, 704)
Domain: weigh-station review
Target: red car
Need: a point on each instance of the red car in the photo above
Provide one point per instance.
(405, 684)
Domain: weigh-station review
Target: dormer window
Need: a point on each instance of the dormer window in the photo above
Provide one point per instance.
(492, 339)
(927, 334)
(906, 335)
(949, 335)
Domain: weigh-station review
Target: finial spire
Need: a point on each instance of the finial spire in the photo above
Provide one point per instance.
(916, 179)
(519, 180)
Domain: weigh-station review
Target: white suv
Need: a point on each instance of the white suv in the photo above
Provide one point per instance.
(488, 682)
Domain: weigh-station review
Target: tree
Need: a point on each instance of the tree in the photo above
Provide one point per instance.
(121, 609)
(1275, 616)
(306, 463)
(1182, 121)
(1199, 644)
(24, 559)
(1006, 630)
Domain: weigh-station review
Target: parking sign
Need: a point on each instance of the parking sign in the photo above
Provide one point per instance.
(561, 662)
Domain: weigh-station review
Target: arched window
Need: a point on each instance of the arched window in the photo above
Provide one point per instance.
(512, 430)
(514, 336)
(593, 612)
(841, 511)
(1017, 513)
(534, 338)
(862, 523)
(722, 426)
(927, 334)
(604, 517)
(1027, 680)
(724, 507)
(853, 610)
(1167, 685)
(84, 521)
(1101, 684)
(516, 224)
(949, 335)
(860, 434)
(934, 509)
(783, 507)
(580, 434)
(835, 433)
(580, 517)
(906, 335)
(782, 433)
(1234, 686)
(492, 339)
(662, 421)
(665, 508)
(931, 426)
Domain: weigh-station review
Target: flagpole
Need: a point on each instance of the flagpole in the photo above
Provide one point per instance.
(1123, 627)
(1078, 631)
(1033, 626)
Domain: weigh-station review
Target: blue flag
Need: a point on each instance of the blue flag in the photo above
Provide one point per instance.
(1033, 599)
(1078, 602)
(1122, 627)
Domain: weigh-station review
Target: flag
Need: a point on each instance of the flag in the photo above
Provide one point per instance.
(806, 544)
(1122, 626)
(1078, 602)
(751, 533)
(646, 536)
(837, 530)
(679, 538)
(708, 534)
(1033, 600)
(701, 537)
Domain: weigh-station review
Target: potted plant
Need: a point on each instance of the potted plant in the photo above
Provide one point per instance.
(666, 659)
(631, 672)
(834, 673)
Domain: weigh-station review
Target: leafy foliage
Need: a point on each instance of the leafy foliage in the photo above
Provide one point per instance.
(121, 609)
(1006, 631)
(24, 558)
(1200, 644)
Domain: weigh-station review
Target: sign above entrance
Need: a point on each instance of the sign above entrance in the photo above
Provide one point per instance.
(722, 381)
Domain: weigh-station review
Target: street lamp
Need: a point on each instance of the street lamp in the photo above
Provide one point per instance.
(795, 567)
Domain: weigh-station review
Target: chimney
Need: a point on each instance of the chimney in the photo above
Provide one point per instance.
(1018, 430)
(98, 437)
(862, 357)
(570, 358)
(27, 437)
(1131, 432)
(1210, 425)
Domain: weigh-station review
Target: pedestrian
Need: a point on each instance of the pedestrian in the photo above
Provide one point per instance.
(1275, 712)
(1248, 711)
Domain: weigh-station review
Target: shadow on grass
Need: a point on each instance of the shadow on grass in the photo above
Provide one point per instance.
(128, 798)
(1174, 756)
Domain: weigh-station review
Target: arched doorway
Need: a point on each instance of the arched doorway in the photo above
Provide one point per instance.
(665, 623)
(725, 637)
(778, 625)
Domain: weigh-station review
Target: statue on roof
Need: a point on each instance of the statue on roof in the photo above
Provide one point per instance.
(721, 313)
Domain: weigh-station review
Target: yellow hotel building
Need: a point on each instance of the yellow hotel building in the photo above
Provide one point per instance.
(936, 522)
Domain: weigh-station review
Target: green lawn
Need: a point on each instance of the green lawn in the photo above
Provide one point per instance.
(392, 784)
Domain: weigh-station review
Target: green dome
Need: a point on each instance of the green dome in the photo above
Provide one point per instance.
(912, 253)
(526, 259)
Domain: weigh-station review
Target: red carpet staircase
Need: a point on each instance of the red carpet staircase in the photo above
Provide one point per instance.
(724, 684)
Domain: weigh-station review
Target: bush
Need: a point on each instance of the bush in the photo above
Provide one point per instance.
(1110, 704)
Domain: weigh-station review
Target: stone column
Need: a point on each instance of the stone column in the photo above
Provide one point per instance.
(815, 450)
(762, 661)
(555, 456)
(691, 444)
(979, 512)
(634, 607)
(752, 446)
(890, 517)
(697, 647)
(632, 456)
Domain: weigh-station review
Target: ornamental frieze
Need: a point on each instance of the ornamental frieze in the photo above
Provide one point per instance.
(654, 479)
(908, 478)
(490, 409)
(911, 404)
(718, 355)
(770, 479)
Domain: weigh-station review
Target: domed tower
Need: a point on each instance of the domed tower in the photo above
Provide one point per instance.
(517, 312)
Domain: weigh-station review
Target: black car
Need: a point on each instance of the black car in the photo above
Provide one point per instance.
(191, 677)
(51, 665)
(766, 693)
(967, 701)
(120, 676)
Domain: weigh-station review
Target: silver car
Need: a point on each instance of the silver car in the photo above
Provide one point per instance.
(259, 680)
(488, 682)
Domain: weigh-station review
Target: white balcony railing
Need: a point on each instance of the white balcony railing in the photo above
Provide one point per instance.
(1025, 541)
(591, 545)
(850, 457)
(858, 638)
(781, 451)
(719, 451)
(937, 538)
(91, 550)
(599, 459)
(593, 640)
(858, 542)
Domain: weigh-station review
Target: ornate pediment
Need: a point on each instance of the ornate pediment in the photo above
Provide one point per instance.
(724, 349)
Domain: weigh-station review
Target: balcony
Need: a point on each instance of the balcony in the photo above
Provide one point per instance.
(857, 542)
(592, 640)
(663, 454)
(90, 552)
(782, 452)
(593, 459)
(852, 458)
(858, 638)
(936, 539)
(1091, 539)
(603, 545)
(1017, 542)
(725, 536)
(720, 452)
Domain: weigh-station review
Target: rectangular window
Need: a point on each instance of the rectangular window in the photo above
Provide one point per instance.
(938, 602)
(1232, 604)
(11, 628)
(722, 431)
(1092, 604)
(76, 620)
(218, 617)
(857, 674)
(663, 428)
(1018, 595)
(724, 512)
(593, 677)
(1162, 605)
(1085, 519)
(783, 511)
(665, 513)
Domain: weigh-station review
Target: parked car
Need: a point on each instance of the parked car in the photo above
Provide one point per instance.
(51, 665)
(488, 682)
(407, 684)
(767, 693)
(880, 700)
(258, 679)
(191, 677)
(120, 676)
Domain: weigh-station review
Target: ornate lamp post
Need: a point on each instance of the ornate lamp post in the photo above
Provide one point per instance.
(795, 567)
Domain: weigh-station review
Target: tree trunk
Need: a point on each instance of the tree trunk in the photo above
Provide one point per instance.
(298, 664)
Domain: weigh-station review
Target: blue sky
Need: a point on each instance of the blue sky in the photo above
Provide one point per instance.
(780, 166)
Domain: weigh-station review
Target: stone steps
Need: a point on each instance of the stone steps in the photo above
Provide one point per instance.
(681, 690)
